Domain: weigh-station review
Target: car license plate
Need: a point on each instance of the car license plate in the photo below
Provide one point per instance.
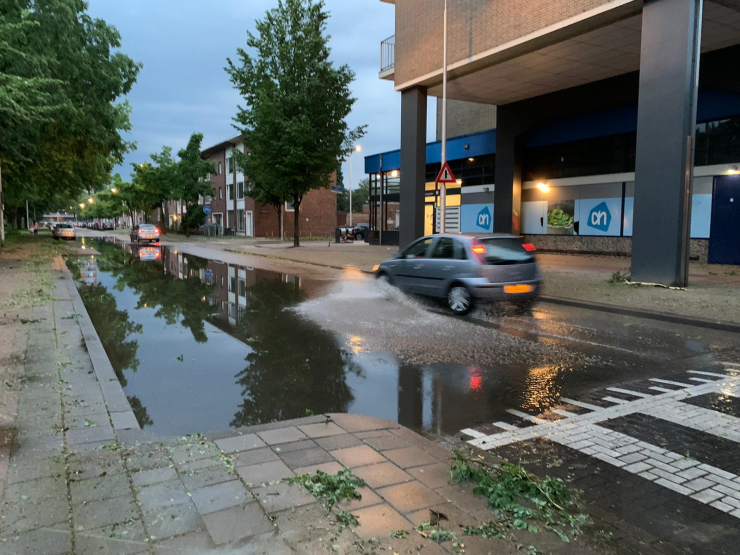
(150, 236)
(518, 288)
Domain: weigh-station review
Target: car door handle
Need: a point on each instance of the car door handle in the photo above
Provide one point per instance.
(446, 268)
(417, 267)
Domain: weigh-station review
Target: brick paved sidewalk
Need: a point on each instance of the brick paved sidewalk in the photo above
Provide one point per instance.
(83, 478)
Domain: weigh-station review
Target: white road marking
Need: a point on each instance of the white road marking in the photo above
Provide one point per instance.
(670, 382)
(628, 392)
(525, 416)
(615, 400)
(580, 404)
(473, 433)
(708, 374)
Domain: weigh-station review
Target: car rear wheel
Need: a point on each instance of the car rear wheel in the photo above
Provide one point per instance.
(459, 300)
(359, 237)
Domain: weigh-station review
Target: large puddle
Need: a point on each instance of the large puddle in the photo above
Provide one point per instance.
(204, 345)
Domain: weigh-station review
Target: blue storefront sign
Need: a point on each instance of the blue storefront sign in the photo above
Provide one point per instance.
(476, 218)
(600, 216)
(209, 273)
(206, 210)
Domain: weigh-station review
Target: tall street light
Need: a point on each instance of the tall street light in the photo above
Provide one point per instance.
(358, 148)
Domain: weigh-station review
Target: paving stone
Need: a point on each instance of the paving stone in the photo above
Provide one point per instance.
(410, 457)
(163, 494)
(327, 468)
(153, 476)
(266, 472)
(282, 435)
(383, 474)
(307, 457)
(386, 443)
(378, 521)
(196, 479)
(187, 452)
(305, 524)
(691, 473)
(322, 429)
(282, 496)
(295, 446)
(22, 471)
(27, 515)
(240, 443)
(46, 541)
(235, 523)
(173, 521)
(638, 468)
(369, 497)
(698, 484)
(362, 455)
(433, 476)
(196, 543)
(95, 489)
(343, 441)
(255, 456)
(708, 495)
(410, 496)
(92, 434)
(125, 538)
(97, 514)
(220, 496)
(146, 457)
(199, 464)
(124, 420)
(35, 490)
(631, 458)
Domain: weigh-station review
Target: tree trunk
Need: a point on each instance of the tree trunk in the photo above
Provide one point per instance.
(2, 209)
(281, 222)
(163, 227)
(297, 224)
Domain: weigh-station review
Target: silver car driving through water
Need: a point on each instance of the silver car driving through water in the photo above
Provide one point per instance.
(465, 269)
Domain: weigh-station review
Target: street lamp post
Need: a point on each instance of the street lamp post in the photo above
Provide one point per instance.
(358, 148)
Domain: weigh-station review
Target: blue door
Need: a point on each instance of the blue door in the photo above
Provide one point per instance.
(724, 237)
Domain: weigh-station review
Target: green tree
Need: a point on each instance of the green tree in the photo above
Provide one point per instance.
(192, 180)
(61, 76)
(297, 102)
(360, 197)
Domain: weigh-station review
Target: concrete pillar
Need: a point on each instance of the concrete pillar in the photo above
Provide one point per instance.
(413, 163)
(666, 121)
(507, 195)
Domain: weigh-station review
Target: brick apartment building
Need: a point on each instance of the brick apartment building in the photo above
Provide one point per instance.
(230, 205)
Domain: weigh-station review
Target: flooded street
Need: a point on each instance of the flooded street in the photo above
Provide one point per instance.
(207, 344)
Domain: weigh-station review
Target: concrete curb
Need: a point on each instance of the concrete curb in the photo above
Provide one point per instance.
(669, 317)
(115, 399)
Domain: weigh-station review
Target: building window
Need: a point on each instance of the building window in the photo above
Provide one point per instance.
(230, 165)
(208, 177)
(220, 168)
(230, 219)
(229, 192)
(241, 219)
(240, 190)
(232, 284)
(289, 206)
(220, 193)
(242, 288)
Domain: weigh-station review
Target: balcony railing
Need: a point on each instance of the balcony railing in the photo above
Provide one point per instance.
(388, 54)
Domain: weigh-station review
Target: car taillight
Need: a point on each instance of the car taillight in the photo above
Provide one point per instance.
(529, 247)
(480, 252)
(156, 230)
(141, 232)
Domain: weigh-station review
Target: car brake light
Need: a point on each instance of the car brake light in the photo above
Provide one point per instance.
(479, 249)
(156, 230)
(141, 232)
(529, 247)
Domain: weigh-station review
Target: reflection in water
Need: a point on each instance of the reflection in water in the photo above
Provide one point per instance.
(204, 345)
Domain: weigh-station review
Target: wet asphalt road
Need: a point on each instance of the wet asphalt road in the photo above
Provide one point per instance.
(308, 338)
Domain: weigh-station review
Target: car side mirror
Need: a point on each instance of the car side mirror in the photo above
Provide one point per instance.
(400, 256)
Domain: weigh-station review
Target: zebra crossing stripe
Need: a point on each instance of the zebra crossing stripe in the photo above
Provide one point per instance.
(628, 392)
(670, 382)
(615, 400)
(580, 404)
(708, 374)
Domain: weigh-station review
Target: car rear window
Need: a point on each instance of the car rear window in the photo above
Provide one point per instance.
(64, 226)
(506, 250)
(146, 226)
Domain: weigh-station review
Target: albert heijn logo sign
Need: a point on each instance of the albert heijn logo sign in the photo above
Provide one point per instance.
(484, 219)
(600, 217)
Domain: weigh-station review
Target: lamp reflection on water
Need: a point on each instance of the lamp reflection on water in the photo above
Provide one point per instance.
(540, 390)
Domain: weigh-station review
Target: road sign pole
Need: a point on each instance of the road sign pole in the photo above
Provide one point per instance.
(350, 189)
(443, 187)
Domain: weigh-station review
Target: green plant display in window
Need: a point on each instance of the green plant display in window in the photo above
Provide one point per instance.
(559, 218)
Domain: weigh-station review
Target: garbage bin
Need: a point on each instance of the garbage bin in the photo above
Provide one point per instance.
(337, 234)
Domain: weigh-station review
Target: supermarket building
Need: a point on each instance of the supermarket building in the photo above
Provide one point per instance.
(602, 126)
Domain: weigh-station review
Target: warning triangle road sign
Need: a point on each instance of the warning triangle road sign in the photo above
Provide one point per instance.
(445, 175)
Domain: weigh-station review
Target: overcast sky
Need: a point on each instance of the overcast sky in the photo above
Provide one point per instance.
(183, 87)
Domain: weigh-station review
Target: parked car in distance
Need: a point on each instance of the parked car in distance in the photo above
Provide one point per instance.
(360, 231)
(145, 232)
(64, 231)
(466, 269)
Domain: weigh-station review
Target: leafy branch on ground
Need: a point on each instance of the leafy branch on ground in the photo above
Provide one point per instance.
(519, 499)
(621, 276)
(332, 489)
